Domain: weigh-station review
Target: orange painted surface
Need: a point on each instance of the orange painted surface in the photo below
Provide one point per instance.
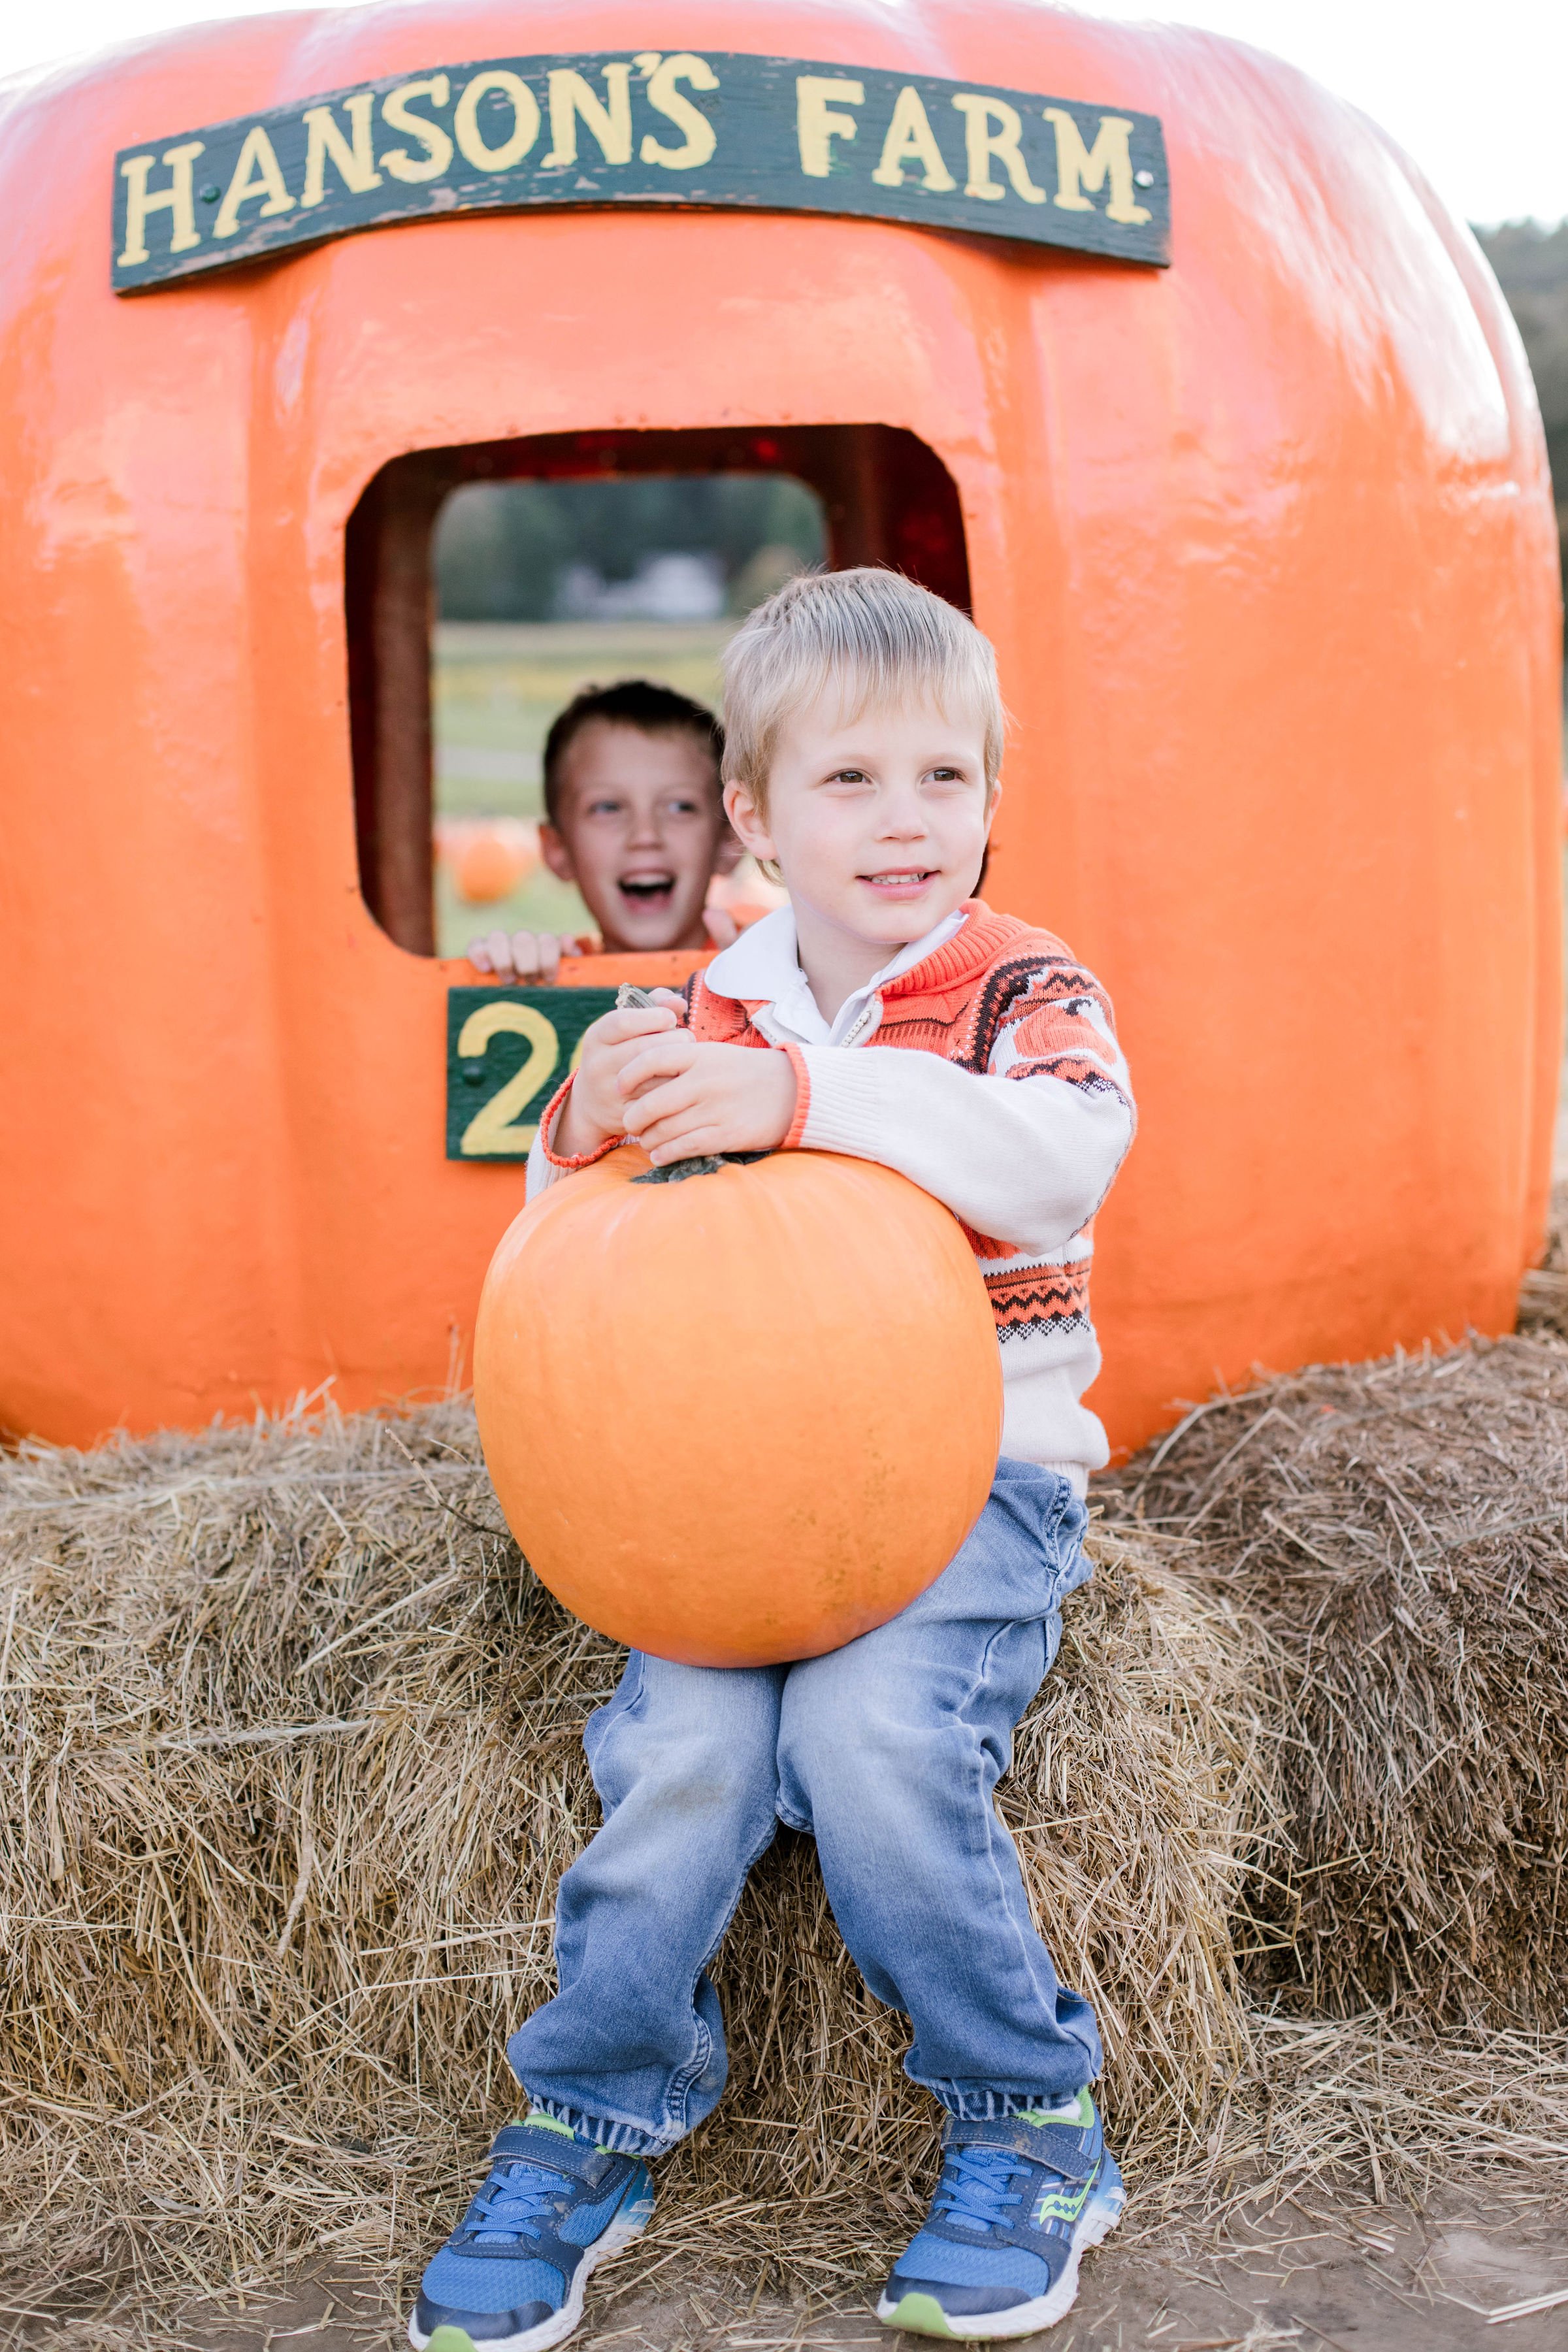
(769, 1491)
(655, 970)
(1264, 541)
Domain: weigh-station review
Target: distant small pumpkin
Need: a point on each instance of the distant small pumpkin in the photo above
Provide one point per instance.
(742, 1411)
(488, 865)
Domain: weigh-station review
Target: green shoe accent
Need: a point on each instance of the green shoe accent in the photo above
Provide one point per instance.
(536, 2120)
(1063, 2204)
(1082, 2114)
(920, 2314)
(451, 2339)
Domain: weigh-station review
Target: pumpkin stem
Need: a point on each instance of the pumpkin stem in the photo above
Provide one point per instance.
(678, 1170)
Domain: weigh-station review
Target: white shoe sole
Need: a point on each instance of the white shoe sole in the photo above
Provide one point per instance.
(560, 2324)
(1023, 2318)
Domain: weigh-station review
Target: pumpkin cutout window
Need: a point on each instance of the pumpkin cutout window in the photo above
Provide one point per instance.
(487, 585)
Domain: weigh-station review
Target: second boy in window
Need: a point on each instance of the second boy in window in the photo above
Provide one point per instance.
(634, 817)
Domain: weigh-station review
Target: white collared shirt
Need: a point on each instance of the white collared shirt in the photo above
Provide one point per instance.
(763, 967)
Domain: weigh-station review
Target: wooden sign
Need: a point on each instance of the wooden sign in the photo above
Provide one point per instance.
(508, 1049)
(774, 135)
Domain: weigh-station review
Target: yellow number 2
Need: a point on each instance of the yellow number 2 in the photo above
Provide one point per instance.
(492, 1127)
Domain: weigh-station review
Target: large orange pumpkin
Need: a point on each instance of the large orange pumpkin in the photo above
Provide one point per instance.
(1264, 542)
(741, 1416)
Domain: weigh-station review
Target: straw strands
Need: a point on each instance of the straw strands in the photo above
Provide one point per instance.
(1399, 1533)
(293, 1762)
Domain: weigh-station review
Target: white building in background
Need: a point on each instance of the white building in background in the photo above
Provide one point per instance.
(669, 587)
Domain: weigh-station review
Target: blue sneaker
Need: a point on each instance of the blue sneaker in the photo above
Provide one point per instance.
(511, 2276)
(1017, 2203)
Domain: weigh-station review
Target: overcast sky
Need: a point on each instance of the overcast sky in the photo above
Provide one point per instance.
(1478, 95)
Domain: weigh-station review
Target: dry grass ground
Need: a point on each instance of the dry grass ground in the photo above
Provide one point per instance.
(294, 1763)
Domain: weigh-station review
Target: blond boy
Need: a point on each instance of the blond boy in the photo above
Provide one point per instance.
(887, 1014)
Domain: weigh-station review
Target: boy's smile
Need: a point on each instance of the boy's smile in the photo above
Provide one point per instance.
(900, 882)
(639, 830)
(877, 822)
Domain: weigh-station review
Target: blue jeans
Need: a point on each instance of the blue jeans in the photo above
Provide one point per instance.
(889, 1751)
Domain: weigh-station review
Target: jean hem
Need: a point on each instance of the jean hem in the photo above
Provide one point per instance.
(972, 2107)
(620, 2139)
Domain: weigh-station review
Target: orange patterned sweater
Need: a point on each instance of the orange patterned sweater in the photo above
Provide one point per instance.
(983, 1064)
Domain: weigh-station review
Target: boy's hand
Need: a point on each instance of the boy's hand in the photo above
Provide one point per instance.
(597, 1108)
(685, 1101)
(523, 955)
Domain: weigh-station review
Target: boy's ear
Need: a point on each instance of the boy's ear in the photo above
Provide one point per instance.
(747, 820)
(556, 855)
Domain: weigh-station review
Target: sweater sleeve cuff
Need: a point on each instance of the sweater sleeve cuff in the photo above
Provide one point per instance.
(841, 1102)
(791, 1141)
(547, 1125)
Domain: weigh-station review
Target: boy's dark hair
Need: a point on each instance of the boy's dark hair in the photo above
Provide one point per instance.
(630, 702)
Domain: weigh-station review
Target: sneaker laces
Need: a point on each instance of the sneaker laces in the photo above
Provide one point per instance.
(973, 2185)
(515, 2201)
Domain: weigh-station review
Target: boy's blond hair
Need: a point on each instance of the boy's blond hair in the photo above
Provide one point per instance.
(874, 635)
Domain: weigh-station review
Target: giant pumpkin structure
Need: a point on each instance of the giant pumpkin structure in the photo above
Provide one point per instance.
(737, 1412)
(1157, 356)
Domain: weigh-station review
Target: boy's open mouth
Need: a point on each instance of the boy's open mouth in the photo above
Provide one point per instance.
(902, 877)
(647, 889)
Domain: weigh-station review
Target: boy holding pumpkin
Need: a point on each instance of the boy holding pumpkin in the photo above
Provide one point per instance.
(888, 1014)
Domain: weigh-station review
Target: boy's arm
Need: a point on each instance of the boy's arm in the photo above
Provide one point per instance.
(543, 1168)
(547, 1164)
(1023, 1153)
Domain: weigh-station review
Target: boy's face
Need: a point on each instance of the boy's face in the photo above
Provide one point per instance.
(640, 830)
(877, 822)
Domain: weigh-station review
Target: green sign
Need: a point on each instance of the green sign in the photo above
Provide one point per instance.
(774, 135)
(508, 1049)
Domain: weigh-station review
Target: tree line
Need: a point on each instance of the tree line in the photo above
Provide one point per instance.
(1532, 266)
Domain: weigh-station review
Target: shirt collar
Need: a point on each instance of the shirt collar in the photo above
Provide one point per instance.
(763, 967)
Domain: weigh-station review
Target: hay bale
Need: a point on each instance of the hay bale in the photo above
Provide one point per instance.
(1400, 1529)
(294, 1767)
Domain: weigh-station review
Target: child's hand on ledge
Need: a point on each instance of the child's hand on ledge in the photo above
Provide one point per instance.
(685, 1101)
(521, 955)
